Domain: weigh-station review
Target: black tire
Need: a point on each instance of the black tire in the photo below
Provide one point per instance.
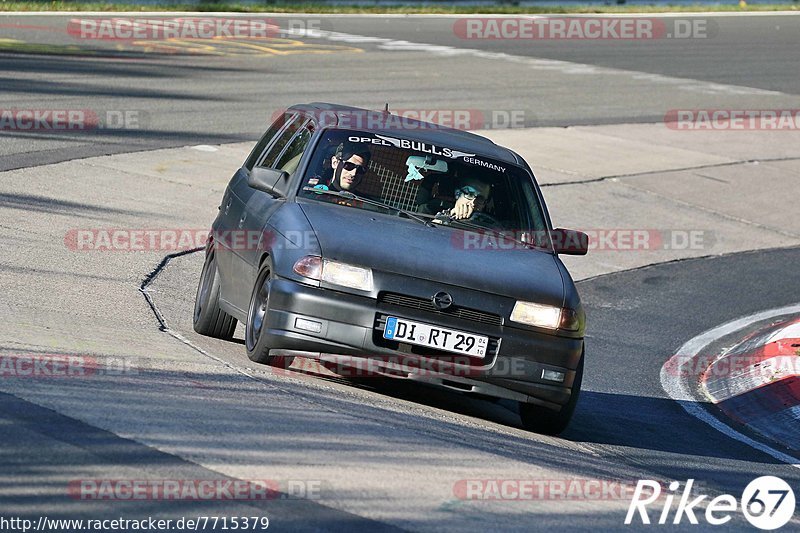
(208, 318)
(257, 314)
(540, 419)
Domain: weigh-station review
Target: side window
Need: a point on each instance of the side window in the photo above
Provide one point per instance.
(280, 143)
(266, 138)
(532, 200)
(290, 157)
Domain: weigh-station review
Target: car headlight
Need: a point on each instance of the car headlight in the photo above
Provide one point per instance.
(334, 272)
(347, 275)
(546, 316)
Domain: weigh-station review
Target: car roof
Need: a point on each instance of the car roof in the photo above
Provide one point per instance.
(414, 129)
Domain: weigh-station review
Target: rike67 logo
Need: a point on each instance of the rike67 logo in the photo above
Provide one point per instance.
(767, 502)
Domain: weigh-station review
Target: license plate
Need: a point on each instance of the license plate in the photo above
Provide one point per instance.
(449, 340)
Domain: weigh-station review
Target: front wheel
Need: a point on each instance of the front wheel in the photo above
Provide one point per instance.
(255, 332)
(208, 318)
(543, 420)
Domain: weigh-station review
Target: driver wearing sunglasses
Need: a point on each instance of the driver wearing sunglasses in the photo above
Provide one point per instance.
(349, 168)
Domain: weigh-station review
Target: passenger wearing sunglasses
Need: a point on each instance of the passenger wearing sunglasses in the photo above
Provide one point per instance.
(470, 195)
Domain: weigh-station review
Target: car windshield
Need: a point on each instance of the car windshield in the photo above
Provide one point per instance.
(422, 178)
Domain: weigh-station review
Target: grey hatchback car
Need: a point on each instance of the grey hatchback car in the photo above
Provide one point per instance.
(364, 239)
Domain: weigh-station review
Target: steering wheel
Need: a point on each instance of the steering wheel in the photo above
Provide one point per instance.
(485, 219)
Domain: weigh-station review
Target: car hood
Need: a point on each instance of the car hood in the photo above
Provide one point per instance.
(407, 247)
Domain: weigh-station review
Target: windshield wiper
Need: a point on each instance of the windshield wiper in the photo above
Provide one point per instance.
(351, 196)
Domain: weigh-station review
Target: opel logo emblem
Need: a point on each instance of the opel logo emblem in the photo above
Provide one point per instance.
(442, 300)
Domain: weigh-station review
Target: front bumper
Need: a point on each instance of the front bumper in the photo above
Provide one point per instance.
(322, 322)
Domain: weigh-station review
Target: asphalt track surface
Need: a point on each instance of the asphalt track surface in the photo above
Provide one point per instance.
(184, 95)
(625, 427)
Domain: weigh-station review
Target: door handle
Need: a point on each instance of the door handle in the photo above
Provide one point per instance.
(241, 220)
(228, 205)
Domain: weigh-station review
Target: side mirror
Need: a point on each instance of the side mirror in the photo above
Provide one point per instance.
(569, 241)
(269, 180)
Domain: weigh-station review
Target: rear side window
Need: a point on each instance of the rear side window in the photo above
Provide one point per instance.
(262, 144)
(290, 157)
(283, 139)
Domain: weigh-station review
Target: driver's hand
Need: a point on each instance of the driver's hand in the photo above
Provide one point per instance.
(463, 208)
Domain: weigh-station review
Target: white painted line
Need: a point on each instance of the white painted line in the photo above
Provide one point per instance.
(563, 67)
(677, 389)
(205, 148)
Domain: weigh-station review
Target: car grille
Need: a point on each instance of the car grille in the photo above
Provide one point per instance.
(422, 304)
